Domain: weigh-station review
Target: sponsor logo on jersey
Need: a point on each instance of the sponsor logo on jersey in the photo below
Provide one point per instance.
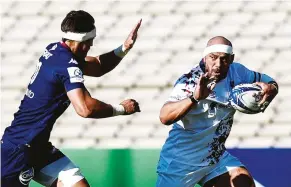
(47, 54)
(75, 74)
(73, 61)
(78, 73)
(26, 176)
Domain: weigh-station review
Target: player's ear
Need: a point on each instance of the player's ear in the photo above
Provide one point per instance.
(231, 58)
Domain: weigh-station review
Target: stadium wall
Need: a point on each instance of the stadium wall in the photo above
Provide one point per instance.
(137, 167)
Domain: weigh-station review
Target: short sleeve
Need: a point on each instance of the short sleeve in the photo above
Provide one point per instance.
(248, 76)
(71, 77)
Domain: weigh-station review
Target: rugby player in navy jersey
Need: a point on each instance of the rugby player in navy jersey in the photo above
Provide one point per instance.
(26, 152)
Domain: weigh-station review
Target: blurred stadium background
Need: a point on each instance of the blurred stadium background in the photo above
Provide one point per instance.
(123, 151)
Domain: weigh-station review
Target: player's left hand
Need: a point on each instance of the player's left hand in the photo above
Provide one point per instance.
(269, 91)
(130, 40)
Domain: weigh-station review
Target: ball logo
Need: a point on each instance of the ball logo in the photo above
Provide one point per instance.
(245, 98)
(26, 176)
(257, 97)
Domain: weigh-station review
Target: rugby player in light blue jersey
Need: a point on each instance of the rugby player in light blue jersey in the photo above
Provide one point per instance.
(26, 152)
(194, 152)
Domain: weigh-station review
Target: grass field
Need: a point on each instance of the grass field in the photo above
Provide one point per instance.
(116, 168)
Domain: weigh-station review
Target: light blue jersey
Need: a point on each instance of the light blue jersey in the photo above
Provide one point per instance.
(198, 139)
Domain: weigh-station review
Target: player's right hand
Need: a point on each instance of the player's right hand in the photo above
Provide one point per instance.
(204, 87)
(130, 106)
(130, 40)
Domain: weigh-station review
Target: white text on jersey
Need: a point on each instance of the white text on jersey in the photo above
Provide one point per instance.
(29, 93)
(73, 61)
(47, 54)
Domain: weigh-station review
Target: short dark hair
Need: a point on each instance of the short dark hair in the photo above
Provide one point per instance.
(78, 21)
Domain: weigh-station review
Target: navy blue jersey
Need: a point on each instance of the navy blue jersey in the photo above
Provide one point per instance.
(57, 72)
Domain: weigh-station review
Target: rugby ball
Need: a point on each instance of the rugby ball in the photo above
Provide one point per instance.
(245, 98)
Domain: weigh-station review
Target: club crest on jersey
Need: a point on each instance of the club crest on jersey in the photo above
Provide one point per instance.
(26, 176)
(75, 74)
(73, 61)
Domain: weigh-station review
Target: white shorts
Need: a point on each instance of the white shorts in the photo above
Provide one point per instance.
(47, 175)
(50, 164)
(188, 176)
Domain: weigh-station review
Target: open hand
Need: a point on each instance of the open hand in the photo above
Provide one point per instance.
(204, 87)
(130, 40)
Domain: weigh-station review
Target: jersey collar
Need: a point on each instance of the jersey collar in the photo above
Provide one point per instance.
(63, 44)
(202, 65)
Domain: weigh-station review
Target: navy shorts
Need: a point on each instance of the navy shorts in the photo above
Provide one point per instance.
(22, 163)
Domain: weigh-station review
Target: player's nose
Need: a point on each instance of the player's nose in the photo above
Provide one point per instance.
(218, 63)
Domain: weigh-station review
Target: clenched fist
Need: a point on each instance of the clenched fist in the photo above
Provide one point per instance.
(130, 106)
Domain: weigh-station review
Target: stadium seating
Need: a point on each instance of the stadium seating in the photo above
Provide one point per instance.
(171, 40)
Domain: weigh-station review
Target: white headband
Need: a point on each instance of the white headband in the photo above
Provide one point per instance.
(217, 48)
(80, 37)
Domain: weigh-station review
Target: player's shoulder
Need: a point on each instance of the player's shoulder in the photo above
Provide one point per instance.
(237, 67)
(191, 75)
(60, 55)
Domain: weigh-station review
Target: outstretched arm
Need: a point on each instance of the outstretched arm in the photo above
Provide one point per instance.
(102, 64)
(88, 107)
